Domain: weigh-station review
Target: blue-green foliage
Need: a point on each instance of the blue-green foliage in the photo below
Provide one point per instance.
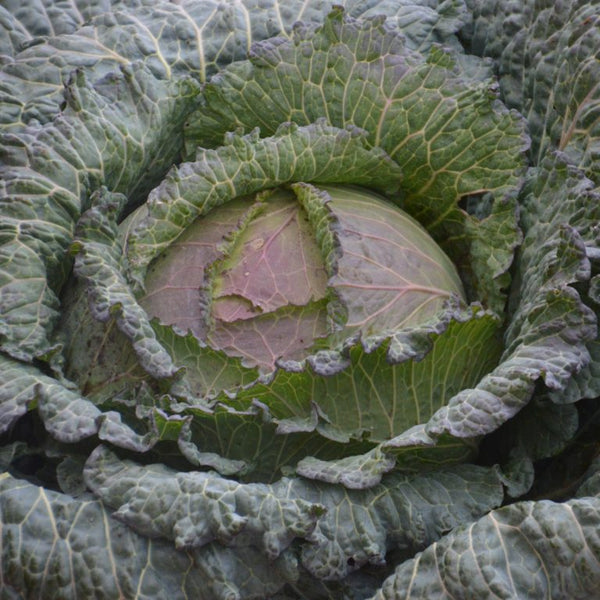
(452, 456)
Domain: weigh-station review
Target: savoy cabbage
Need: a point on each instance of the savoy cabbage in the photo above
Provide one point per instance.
(299, 300)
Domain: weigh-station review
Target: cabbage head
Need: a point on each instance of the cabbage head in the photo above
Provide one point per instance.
(299, 302)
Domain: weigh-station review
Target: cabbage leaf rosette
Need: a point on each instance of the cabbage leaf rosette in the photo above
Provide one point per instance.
(299, 302)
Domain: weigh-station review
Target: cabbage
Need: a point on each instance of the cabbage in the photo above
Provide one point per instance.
(299, 302)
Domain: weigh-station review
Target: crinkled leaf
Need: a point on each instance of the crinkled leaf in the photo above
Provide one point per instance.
(526, 550)
(550, 325)
(305, 410)
(425, 24)
(550, 349)
(365, 391)
(561, 208)
(448, 132)
(156, 501)
(547, 57)
(98, 262)
(66, 414)
(586, 382)
(58, 546)
(354, 472)
(404, 512)
(170, 39)
(47, 173)
(357, 528)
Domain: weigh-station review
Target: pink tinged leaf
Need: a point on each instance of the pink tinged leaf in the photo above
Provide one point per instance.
(175, 280)
(275, 263)
(390, 274)
(284, 333)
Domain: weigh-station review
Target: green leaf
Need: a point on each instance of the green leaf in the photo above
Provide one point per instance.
(561, 209)
(171, 40)
(560, 95)
(47, 173)
(67, 415)
(550, 325)
(156, 501)
(343, 529)
(98, 263)
(55, 546)
(526, 550)
(335, 405)
(207, 371)
(374, 391)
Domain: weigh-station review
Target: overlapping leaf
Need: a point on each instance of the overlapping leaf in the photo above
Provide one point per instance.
(357, 528)
(276, 276)
(548, 60)
(446, 130)
(47, 174)
(56, 546)
(526, 550)
(315, 153)
(171, 39)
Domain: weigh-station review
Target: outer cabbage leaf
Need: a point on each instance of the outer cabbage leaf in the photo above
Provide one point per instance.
(55, 546)
(187, 38)
(526, 550)
(67, 415)
(550, 324)
(99, 264)
(423, 23)
(558, 198)
(27, 23)
(357, 528)
(547, 55)
(47, 173)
